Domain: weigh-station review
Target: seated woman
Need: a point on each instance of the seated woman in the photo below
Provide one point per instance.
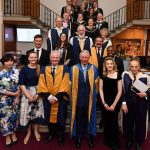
(9, 99)
(31, 108)
(110, 90)
(65, 50)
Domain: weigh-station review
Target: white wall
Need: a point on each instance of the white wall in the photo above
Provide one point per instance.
(109, 6)
(23, 47)
(54, 5)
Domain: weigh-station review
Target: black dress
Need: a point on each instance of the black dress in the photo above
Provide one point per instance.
(110, 89)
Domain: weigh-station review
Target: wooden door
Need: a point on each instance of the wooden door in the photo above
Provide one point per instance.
(31, 8)
(9, 38)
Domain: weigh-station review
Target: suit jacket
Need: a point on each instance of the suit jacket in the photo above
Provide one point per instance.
(102, 25)
(44, 58)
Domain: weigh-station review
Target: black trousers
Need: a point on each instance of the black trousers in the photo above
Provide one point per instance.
(56, 130)
(135, 119)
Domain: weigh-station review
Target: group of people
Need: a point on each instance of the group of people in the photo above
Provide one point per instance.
(73, 72)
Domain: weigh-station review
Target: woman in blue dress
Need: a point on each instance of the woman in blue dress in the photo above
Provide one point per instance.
(31, 108)
(9, 99)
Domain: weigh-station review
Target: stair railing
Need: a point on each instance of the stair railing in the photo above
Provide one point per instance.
(30, 8)
(136, 10)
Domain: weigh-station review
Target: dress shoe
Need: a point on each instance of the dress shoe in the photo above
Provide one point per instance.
(48, 139)
(61, 141)
(78, 143)
(91, 143)
(101, 124)
(128, 145)
(138, 147)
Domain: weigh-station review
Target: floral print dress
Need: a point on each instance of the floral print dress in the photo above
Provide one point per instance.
(9, 112)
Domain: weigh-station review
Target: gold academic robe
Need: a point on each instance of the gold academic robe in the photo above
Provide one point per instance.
(57, 86)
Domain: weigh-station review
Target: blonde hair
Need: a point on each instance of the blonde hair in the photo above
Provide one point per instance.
(104, 66)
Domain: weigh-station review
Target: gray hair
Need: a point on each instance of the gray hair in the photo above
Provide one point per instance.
(80, 27)
(55, 52)
(84, 51)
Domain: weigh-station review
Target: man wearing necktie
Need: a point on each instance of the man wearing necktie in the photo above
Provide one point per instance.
(83, 77)
(97, 54)
(54, 87)
(135, 106)
(43, 55)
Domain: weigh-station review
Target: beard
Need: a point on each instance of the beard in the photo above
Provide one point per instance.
(81, 36)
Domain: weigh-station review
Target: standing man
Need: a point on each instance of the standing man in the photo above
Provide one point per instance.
(135, 106)
(118, 60)
(43, 55)
(97, 54)
(54, 34)
(79, 43)
(54, 87)
(83, 79)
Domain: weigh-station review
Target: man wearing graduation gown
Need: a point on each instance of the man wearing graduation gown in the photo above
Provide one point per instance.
(54, 34)
(54, 87)
(83, 77)
(80, 43)
(97, 54)
(135, 106)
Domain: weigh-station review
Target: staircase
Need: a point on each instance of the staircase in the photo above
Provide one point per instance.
(36, 14)
(29, 12)
(136, 13)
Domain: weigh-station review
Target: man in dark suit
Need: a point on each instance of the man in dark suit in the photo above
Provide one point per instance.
(43, 55)
(118, 60)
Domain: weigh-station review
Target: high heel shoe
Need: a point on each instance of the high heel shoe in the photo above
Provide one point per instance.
(15, 142)
(8, 145)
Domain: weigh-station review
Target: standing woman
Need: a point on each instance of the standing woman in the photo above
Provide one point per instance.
(9, 99)
(65, 49)
(31, 108)
(110, 92)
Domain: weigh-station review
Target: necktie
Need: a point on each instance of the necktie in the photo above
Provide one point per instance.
(37, 51)
(53, 71)
(98, 56)
(81, 43)
(84, 73)
(134, 78)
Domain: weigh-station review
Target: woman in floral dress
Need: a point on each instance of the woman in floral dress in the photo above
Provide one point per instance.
(31, 108)
(9, 99)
